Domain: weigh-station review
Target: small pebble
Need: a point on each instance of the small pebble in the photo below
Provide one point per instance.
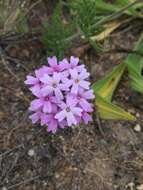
(45, 183)
(126, 98)
(31, 152)
(57, 175)
(130, 185)
(137, 128)
(4, 188)
(137, 114)
(140, 187)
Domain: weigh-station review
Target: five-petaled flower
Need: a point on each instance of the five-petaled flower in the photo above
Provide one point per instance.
(69, 111)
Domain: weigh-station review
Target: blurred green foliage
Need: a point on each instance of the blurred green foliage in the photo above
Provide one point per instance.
(56, 33)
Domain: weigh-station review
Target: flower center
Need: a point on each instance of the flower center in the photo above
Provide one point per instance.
(77, 81)
(46, 98)
(78, 97)
(54, 85)
(68, 109)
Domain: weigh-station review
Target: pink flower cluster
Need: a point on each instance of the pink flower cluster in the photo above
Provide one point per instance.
(62, 92)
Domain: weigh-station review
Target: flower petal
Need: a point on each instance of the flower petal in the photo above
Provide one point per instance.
(74, 88)
(78, 119)
(86, 118)
(47, 107)
(35, 117)
(43, 70)
(71, 119)
(62, 105)
(71, 100)
(80, 68)
(64, 87)
(63, 124)
(84, 84)
(52, 126)
(58, 94)
(53, 99)
(54, 108)
(84, 74)
(46, 90)
(64, 75)
(85, 105)
(57, 77)
(31, 80)
(74, 61)
(64, 64)
(76, 111)
(74, 73)
(44, 119)
(60, 115)
(52, 61)
(36, 90)
(89, 94)
(46, 79)
(35, 105)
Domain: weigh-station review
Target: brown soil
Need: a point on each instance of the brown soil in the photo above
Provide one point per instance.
(104, 155)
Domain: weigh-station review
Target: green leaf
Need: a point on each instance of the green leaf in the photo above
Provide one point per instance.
(108, 110)
(106, 86)
(104, 90)
(135, 66)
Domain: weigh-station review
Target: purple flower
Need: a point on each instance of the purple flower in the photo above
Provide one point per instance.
(63, 94)
(30, 80)
(69, 111)
(53, 84)
(78, 80)
(74, 64)
(45, 103)
(40, 72)
(34, 84)
(55, 67)
(53, 123)
(82, 98)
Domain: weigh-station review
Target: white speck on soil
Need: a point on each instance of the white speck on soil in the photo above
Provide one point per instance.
(31, 152)
(57, 176)
(130, 185)
(137, 114)
(137, 128)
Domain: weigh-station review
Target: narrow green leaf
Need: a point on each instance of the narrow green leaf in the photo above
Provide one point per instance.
(108, 110)
(135, 67)
(104, 90)
(106, 86)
